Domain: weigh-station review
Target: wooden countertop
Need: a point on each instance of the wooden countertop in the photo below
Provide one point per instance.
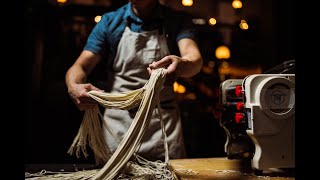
(222, 169)
(219, 168)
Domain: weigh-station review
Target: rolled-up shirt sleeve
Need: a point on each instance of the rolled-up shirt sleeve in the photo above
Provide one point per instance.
(186, 27)
(97, 40)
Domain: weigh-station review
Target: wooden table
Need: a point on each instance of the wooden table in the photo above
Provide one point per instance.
(185, 169)
(223, 169)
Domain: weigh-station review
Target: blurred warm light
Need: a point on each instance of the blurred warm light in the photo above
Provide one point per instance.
(211, 64)
(207, 69)
(187, 2)
(225, 64)
(236, 4)
(244, 25)
(212, 21)
(61, 1)
(178, 88)
(224, 68)
(199, 21)
(97, 19)
(191, 96)
(222, 52)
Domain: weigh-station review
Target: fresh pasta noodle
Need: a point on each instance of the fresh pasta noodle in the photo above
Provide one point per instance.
(124, 163)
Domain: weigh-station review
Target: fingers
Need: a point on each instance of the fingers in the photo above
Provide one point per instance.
(149, 70)
(86, 106)
(171, 64)
(84, 103)
(79, 95)
(164, 62)
(90, 87)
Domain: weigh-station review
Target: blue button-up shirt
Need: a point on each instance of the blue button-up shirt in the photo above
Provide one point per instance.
(106, 34)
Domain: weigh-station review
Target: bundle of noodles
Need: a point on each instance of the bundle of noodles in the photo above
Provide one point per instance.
(90, 130)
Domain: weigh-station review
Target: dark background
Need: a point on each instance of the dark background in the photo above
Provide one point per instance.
(54, 36)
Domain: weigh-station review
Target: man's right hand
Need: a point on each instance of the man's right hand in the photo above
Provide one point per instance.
(79, 95)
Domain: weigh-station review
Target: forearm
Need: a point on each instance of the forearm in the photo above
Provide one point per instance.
(191, 58)
(191, 65)
(75, 75)
(78, 88)
(80, 70)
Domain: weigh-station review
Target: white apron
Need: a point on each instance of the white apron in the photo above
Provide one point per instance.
(135, 52)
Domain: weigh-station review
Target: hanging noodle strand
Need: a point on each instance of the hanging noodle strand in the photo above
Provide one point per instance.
(124, 163)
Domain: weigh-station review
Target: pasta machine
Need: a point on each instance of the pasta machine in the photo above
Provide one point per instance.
(258, 116)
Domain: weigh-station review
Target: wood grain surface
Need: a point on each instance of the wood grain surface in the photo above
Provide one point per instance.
(224, 169)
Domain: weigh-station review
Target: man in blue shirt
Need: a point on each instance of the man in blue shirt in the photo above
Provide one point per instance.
(139, 37)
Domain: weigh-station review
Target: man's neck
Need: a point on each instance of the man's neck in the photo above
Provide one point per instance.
(145, 13)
